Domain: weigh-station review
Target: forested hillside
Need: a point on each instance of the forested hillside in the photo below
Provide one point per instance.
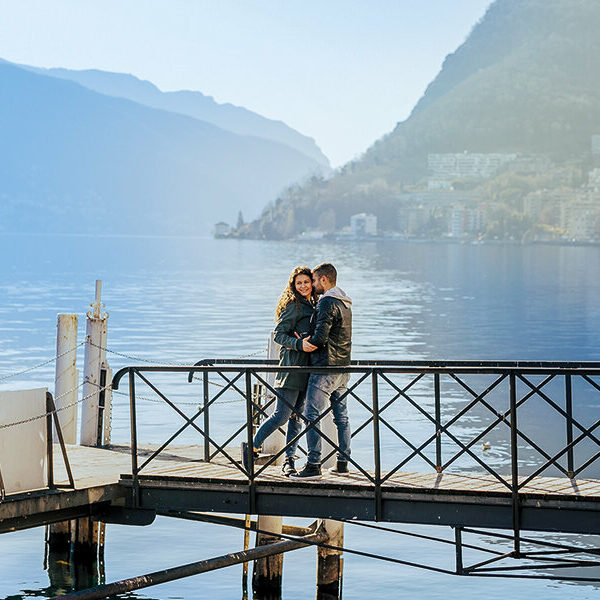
(526, 80)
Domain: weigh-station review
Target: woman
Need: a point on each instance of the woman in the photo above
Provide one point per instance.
(294, 310)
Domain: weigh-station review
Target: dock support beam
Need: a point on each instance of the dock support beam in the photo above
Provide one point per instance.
(329, 562)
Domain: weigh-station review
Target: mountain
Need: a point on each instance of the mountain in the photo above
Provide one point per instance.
(193, 104)
(526, 80)
(72, 159)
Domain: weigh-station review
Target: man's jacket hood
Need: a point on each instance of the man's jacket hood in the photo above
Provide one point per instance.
(340, 294)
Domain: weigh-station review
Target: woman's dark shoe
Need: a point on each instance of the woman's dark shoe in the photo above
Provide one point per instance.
(288, 467)
(246, 456)
(309, 472)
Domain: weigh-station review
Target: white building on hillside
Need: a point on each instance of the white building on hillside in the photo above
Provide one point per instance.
(445, 168)
(363, 224)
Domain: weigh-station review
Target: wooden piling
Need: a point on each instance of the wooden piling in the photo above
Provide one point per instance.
(85, 535)
(58, 536)
(268, 571)
(329, 562)
(58, 564)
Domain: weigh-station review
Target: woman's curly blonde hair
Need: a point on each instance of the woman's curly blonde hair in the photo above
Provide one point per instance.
(290, 294)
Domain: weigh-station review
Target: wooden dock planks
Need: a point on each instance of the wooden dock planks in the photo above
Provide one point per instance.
(102, 466)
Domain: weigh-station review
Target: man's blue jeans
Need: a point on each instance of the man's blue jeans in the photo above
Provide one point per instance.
(288, 401)
(322, 390)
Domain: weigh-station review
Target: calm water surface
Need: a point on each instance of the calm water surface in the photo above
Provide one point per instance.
(179, 300)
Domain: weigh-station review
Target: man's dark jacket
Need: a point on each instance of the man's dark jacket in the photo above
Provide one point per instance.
(331, 330)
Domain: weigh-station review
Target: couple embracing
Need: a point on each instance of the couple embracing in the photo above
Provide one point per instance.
(314, 327)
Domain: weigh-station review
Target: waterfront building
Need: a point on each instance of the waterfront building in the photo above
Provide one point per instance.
(581, 218)
(546, 206)
(362, 225)
(464, 221)
(221, 229)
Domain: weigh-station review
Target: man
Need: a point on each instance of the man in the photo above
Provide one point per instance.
(329, 343)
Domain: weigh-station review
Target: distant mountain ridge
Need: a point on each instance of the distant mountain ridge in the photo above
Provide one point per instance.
(74, 160)
(193, 104)
(526, 80)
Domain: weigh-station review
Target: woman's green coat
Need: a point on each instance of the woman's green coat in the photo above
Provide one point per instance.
(294, 318)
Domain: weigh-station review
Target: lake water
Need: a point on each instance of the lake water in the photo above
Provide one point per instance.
(180, 300)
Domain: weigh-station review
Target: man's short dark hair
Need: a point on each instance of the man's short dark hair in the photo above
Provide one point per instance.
(328, 270)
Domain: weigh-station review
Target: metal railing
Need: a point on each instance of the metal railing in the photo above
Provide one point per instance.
(442, 396)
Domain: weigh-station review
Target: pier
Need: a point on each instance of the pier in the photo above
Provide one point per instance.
(438, 477)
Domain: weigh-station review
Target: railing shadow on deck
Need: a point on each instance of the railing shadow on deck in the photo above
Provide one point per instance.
(539, 416)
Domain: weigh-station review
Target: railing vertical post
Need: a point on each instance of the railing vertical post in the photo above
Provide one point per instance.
(438, 423)
(569, 411)
(514, 464)
(376, 444)
(249, 419)
(49, 440)
(134, 447)
(458, 545)
(206, 400)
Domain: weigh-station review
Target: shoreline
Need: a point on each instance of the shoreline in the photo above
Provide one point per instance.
(399, 240)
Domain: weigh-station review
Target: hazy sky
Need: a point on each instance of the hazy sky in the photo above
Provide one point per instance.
(342, 72)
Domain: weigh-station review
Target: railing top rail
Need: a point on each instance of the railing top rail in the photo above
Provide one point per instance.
(423, 363)
(387, 366)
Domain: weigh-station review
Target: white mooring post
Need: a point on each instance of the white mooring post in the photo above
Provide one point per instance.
(58, 535)
(86, 535)
(66, 376)
(268, 571)
(94, 359)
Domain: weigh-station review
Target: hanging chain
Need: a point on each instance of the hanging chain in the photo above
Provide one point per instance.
(123, 355)
(42, 364)
(174, 364)
(57, 410)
